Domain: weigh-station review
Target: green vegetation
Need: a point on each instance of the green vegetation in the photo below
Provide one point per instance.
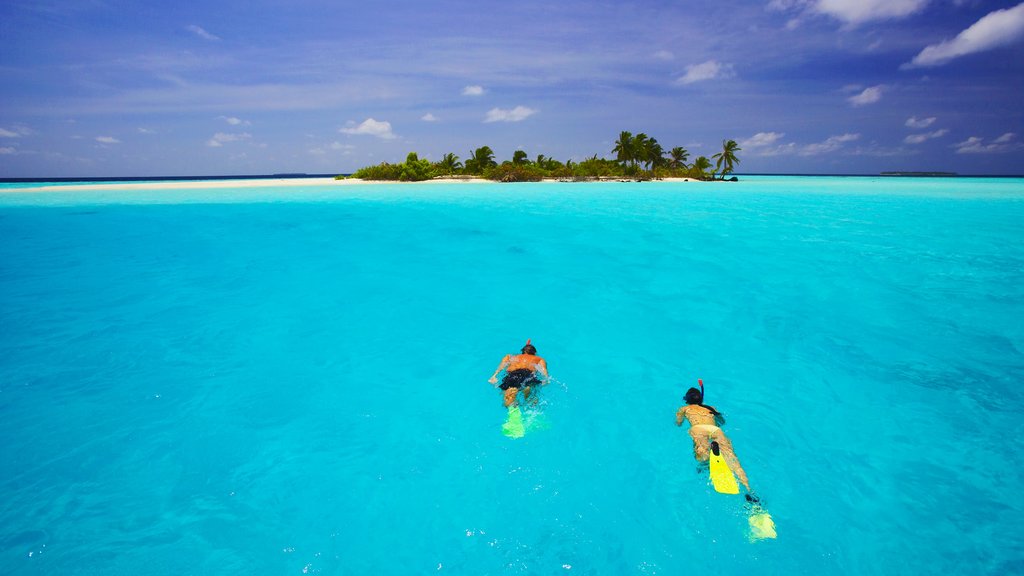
(638, 157)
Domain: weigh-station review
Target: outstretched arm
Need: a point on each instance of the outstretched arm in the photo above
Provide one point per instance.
(501, 366)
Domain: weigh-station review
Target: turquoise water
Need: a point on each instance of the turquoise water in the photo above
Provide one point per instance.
(293, 381)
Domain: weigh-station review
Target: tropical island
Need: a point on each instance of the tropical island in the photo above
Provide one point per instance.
(637, 158)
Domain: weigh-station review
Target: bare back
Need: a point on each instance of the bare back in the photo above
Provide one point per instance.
(525, 361)
(696, 415)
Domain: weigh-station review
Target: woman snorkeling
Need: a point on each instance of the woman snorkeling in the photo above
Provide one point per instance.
(704, 429)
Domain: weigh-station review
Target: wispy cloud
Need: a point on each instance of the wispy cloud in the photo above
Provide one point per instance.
(710, 70)
(428, 117)
(221, 138)
(915, 122)
(143, 130)
(199, 31)
(8, 150)
(867, 96)
(976, 145)
(770, 144)
(371, 127)
(473, 91)
(517, 114)
(921, 138)
(107, 140)
(664, 55)
(234, 121)
(851, 12)
(996, 29)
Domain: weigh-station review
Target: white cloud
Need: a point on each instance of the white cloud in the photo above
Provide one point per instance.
(976, 145)
(371, 127)
(664, 55)
(868, 96)
(8, 150)
(8, 134)
(770, 144)
(220, 138)
(517, 114)
(850, 12)
(996, 29)
(428, 117)
(146, 131)
(856, 12)
(344, 148)
(761, 139)
(199, 31)
(473, 91)
(915, 122)
(234, 121)
(831, 144)
(107, 140)
(710, 70)
(921, 138)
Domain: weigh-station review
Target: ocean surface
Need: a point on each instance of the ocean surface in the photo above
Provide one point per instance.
(294, 380)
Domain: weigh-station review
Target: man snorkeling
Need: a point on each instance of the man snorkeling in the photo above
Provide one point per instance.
(520, 372)
(707, 436)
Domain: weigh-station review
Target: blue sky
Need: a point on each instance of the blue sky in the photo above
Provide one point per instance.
(116, 88)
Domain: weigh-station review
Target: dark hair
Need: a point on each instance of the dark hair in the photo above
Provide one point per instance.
(529, 349)
(694, 396)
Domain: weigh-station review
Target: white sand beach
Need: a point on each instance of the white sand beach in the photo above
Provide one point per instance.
(263, 183)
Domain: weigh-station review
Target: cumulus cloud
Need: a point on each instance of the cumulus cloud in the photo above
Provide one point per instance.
(371, 127)
(220, 138)
(921, 138)
(428, 117)
(710, 70)
(867, 96)
(473, 91)
(915, 122)
(976, 145)
(517, 114)
(996, 29)
(199, 31)
(107, 140)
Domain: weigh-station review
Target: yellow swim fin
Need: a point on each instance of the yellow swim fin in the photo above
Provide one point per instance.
(761, 524)
(513, 426)
(721, 476)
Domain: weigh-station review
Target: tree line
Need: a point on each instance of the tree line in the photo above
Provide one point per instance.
(638, 157)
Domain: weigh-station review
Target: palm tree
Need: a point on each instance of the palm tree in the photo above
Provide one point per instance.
(624, 149)
(654, 154)
(480, 159)
(449, 163)
(520, 157)
(641, 148)
(700, 166)
(679, 155)
(725, 159)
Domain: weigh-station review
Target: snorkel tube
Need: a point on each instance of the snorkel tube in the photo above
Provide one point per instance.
(701, 382)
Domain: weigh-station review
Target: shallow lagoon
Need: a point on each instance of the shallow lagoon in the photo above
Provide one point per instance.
(293, 380)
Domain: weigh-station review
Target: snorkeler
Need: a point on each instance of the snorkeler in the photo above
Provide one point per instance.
(707, 436)
(520, 372)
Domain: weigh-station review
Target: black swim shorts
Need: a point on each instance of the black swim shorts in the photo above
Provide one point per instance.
(519, 379)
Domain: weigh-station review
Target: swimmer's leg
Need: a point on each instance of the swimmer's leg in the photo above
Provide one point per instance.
(730, 457)
(701, 446)
(510, 396)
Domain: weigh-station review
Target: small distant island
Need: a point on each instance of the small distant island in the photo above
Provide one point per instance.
(637, 158)
(921, 174)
